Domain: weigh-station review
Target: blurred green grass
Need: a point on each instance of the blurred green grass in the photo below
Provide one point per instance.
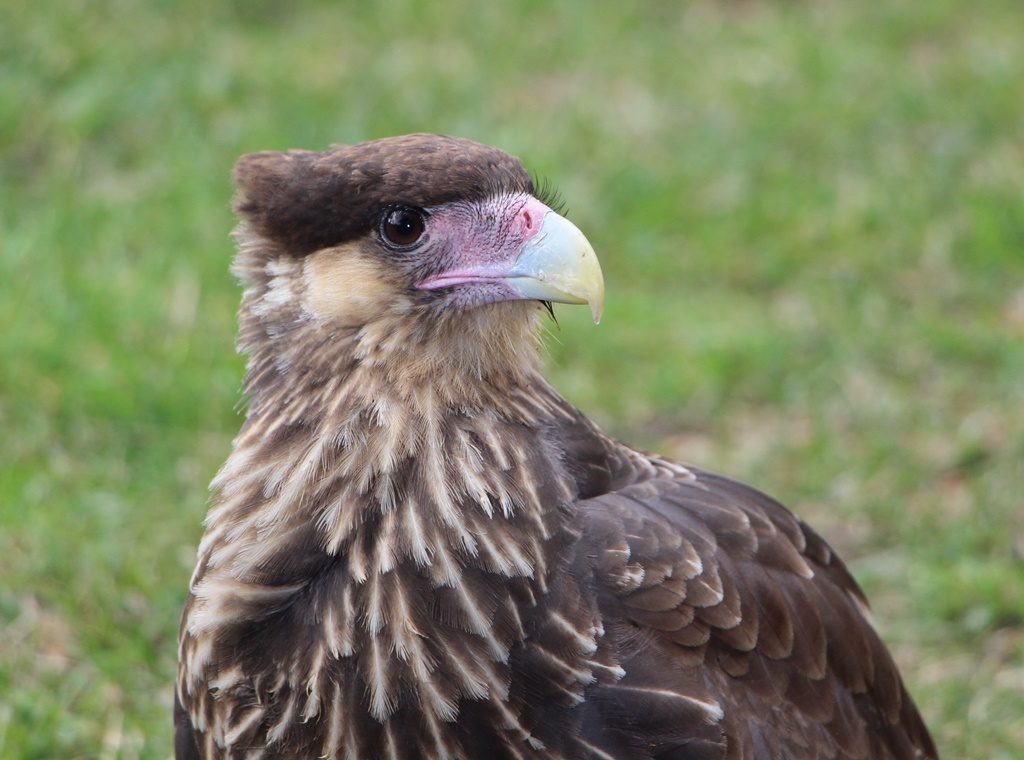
(811, 224)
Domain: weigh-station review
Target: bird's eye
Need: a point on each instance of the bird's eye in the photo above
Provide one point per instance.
(402, 227)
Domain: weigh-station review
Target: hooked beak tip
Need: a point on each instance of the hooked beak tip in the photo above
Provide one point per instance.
(560, 265)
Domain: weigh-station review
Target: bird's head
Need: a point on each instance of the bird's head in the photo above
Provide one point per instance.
(435, 248)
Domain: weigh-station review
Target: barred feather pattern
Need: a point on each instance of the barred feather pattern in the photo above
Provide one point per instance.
(408, 580)
(406, 532)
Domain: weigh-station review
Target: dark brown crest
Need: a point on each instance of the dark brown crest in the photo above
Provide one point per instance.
(307, 201)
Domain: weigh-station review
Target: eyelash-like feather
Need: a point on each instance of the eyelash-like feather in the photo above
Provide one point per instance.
(545, 191)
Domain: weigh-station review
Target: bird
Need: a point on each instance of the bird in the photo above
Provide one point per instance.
(418, 549)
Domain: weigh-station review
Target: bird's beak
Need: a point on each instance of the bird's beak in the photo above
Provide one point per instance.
(558, 264)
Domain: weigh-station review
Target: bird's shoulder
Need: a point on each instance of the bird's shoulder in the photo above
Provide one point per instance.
(715, 593)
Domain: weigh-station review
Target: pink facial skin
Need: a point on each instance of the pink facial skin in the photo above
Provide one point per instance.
(482, 241)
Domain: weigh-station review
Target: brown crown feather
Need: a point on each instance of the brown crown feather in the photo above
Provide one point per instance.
(307, 201)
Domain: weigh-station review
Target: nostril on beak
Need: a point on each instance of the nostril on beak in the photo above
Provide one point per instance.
(526, 221)
(530, 217)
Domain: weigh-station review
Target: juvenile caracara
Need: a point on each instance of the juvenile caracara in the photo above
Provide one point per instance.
(418, 549)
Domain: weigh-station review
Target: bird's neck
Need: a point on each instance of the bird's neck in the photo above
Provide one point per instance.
(350, 469)
(405, 434)
(391, 524)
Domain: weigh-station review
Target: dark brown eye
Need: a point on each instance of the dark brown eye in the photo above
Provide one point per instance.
(402, 227)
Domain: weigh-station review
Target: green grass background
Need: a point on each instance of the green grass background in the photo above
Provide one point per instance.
(810, 218)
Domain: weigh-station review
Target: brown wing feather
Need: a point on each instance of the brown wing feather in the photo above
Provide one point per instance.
(718, 599)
